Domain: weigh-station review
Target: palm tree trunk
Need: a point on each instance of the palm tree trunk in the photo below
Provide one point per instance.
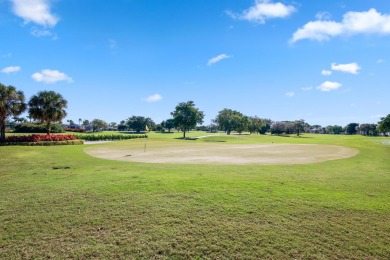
(2, 137)
(48, 128)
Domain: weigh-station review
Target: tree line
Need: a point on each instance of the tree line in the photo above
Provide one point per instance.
(48, 107)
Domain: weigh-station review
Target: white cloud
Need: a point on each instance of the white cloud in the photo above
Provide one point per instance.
(263, 10)
(370, 22)
(51, 76)
(380, 61)
(323, 16)
(328, 86)
(217, 59)
(307, 88)
(290, 94)
(10, 69)
(36, 11)
(153, 98)
(7, 55)
(42, 33)
(352, 68)
(326, 72)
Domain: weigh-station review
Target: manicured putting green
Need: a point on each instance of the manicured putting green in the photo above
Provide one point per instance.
(214, 153)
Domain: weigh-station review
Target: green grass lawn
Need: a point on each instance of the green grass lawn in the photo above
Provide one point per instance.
(58, 202)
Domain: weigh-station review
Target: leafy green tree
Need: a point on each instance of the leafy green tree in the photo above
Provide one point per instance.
(384, 124)
(98, 125)
(47, 107)
(255, 124)
(334, 129)
(242, 124)
(278, 128)
(351, 128)
(139, 123)
(12, 103)
(85, 123)
(186, 116)
(169, 124)
(230, 120)
(299, 126)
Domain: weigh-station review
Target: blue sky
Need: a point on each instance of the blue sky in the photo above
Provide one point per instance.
(327, 62)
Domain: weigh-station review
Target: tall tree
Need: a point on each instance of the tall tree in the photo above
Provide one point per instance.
(139, 123)
(351, 128)
(278, 128)
(47, 107)
(299, 126)
(12, 103)
(256, 124)
(186, 116)
(98, 125)
(230, 120)
(384, 124)
(168, 124)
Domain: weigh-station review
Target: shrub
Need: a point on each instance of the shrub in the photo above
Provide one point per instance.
(39, 138)
(42, 140)
(37, 128)
(108, 137)
(77, 130)
(45, 143)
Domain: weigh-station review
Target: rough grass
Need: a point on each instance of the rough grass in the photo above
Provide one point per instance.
(57, 202)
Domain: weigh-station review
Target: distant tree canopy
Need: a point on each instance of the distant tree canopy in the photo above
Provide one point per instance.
(256, 125)
(229, 120)
(186, 116)
(12, 103)
(299, 126)
(351, 128)
(47, 107)
(384, 124)
(98, 125)
(168, 124)
(334, 129)
(139, 123)
(278, 128)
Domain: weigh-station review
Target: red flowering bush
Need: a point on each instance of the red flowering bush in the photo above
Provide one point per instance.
(39, 138)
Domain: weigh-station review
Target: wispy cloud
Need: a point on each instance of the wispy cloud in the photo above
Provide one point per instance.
(290, 94)
(323, 16)
(352, 68)
(7, 55)
(51, 76)
(307, 88)
(217, 59)
(326, 72)
(35, 11)
(263, 10)
(153, 98)
(10, 69)
(380, 61)
(328, 86)
(370, 22)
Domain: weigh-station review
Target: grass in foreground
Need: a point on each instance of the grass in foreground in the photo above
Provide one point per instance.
(59, 202)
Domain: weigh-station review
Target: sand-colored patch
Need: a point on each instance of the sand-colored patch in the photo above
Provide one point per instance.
(206, 153)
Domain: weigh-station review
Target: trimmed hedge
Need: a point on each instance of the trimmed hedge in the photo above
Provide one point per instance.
(37, 128)
(45, 143)
(107, 137)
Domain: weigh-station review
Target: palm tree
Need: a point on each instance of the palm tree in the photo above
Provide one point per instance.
(48, 107)
(11, 104)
